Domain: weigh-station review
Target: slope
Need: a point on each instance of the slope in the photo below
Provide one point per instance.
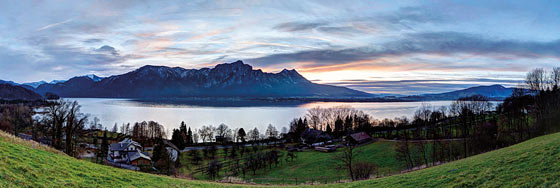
(533, 163)
(23, 166)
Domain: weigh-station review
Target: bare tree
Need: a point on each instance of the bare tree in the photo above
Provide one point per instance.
(346, 157)
(555, 78)
(222, 130)
(271, 131)
(74, 124)
(253, 134)
(536, 80)
(206, 133)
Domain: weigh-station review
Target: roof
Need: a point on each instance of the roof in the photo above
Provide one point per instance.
(361, 136)
(123, 145)
(137, 155)
(169, 144)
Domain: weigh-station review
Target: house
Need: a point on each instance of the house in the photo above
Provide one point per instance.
(359, 138)
(310, 136)
(128, 152)
(172, 150)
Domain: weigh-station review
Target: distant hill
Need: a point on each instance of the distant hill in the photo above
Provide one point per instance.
(15, 92)
(494, 92)
(224, 80)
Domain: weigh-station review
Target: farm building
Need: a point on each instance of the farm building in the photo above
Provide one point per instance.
(359, 138)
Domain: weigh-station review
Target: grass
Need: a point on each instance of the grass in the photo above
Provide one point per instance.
(534, 163)
(29, 164)
(318, 164)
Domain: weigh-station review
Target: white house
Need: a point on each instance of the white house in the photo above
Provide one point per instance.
(128, 152)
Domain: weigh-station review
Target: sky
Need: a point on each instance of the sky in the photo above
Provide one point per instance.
(399, 47)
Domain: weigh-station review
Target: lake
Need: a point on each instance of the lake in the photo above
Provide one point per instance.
(195, 115)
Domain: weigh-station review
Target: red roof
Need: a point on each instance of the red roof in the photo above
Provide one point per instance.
(361, 136)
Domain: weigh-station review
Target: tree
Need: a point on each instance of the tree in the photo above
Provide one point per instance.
(94, 123)
(162, 159)
(271, 131)
(222, 130)
(196, 138)
(241, 134)
(254, 134)
(536, 80)
(102, 152)
(15, 118)
(183, 132)
(346, 157)
(329, 130)
(363, 170)
(189, 140)
(57, 114)
(206, 133)
(114, 128)
(467, 108)
(297, 126)
(75, 122)
(177, 139)
(338, 126)
(213, 170)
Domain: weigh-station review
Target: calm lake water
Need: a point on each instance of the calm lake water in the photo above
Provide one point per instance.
(111, 111)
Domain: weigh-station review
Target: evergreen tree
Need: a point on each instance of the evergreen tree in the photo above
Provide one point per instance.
(348, 124)
(338, 126)
(241, 134)
(162, 159)
(189, 140)
(183, 131)
(329, 130)
(102, 152)
(177, 139)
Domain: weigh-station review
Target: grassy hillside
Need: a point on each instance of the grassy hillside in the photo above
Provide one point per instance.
(534, 163)
(23, 166)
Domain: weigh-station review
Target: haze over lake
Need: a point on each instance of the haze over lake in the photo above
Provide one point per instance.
(170, 114)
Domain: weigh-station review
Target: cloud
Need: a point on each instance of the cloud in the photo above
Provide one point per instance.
(422, 86)
(406, 16)
(54, 24)
(344, 30)
(298, 26)
(446, 44)
(108, 49)
(93, 41)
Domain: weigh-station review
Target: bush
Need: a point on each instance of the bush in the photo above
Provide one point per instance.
(363, 170)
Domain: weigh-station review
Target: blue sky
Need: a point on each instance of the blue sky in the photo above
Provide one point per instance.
(404, 47)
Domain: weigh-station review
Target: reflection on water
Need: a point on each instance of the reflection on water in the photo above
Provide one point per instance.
(247, 115)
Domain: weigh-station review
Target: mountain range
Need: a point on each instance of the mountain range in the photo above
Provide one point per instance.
(235, 79)
(493, 92)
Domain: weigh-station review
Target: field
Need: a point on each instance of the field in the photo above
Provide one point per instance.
(534, 163)
(308, 163)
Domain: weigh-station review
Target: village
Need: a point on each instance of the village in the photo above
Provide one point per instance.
(124, 152)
